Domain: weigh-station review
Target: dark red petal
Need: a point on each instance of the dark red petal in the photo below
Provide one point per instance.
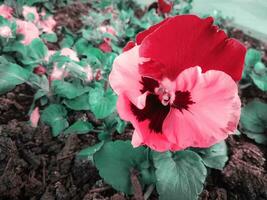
(182, 100)
(164, 7)
(149, 84)
(154, 111)
(128, 46)
(140, 36)
(187, 41)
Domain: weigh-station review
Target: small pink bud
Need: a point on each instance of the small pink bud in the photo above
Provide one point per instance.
(98, 75)
(40, 70)
(105, 47)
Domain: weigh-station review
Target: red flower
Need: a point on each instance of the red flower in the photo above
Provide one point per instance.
(177, 85)
(164, 6)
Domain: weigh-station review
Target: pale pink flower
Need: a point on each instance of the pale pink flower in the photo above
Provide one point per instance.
(58, 73)
(70, 53)
(5, 32)
(30, 10)
(28, 30)
(107, 29)
(35, 116)
(6, 11)
(48, 24)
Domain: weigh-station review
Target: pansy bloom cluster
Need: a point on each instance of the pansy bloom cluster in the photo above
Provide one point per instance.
(177, 84)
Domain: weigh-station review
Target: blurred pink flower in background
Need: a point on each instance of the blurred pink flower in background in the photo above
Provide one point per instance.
(47, 25)
(70, 53)
(6, 11)
(30, 10)
(28, 30)
(5, 31)
(58, 73)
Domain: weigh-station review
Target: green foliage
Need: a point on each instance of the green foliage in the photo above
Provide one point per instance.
(102, 103)
(55, 116)
(253, 121)
(255, 71)
(49, 37)
(179, 175)
(89, 152)
(79, 127)
(67, 89)
(116, 160)
(31, 54)
(215, 156)
(79, 103)
(11, 75)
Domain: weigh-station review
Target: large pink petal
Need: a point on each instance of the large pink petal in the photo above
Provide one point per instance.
(187, 41)
(125, 78)
(213, 116)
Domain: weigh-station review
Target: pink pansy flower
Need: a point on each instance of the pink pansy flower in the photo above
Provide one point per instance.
(28, 30)
(35, 116)
(5, 32)
(70, 53)
(177, 85)
(48, 24)
(6, 11)
(30, 10)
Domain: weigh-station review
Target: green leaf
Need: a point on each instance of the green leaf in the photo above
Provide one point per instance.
(215, 156)
(31, 54)
(179, 175)
(260, 81)
(115, 161)
(102, 103)
(90, 151)
(259, 76)
(67, 89)
(49, 37)
(11, 75)
(253, 121)
(260, 68)
(79, 127)
(79, 103)
(252, 57)
(55, 116)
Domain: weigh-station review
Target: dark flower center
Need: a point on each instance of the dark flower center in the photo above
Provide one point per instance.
(158, 104)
